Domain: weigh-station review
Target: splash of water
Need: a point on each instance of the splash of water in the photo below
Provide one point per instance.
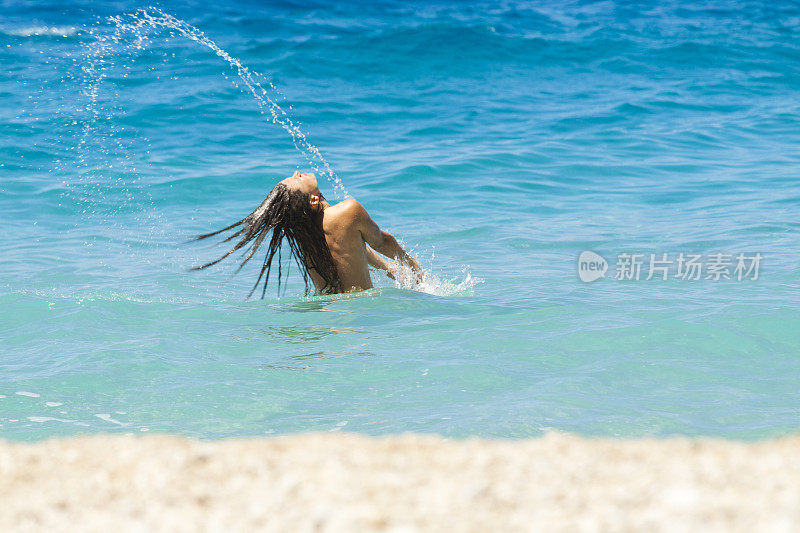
(431, 283)
(143, 22)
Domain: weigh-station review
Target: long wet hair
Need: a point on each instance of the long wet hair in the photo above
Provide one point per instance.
(286, 214)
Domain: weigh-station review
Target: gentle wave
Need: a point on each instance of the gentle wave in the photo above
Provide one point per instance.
(48, 31)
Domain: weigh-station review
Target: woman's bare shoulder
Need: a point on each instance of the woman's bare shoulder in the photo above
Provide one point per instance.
(349, 209)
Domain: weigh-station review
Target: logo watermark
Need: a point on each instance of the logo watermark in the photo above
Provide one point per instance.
(681, 266)
(591, 266)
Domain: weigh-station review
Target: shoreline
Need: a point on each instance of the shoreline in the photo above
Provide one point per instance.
(409, 482)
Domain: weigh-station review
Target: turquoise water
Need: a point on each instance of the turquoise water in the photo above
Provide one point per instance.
(497, 141)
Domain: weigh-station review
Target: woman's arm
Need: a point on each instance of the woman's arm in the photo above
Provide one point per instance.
(382, 242)
(376, 261)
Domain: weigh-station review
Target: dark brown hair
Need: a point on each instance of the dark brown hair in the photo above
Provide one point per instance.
(287, 214)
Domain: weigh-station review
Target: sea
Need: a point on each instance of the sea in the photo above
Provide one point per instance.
(604, 196)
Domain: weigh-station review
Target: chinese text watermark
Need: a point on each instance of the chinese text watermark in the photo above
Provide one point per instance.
(681, 266)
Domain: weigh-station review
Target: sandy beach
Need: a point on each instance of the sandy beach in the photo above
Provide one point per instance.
(349, 482)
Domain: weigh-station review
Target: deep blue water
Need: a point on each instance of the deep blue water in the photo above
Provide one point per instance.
(498, 141)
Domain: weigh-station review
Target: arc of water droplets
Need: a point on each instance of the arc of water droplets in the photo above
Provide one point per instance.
(95, 67)
(153, 17)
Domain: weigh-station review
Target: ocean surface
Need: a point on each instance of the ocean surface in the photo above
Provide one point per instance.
(497, 140)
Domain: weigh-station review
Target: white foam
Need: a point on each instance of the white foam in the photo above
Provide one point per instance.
(53, 404)
(339, 426)
(107, 418)
(48, 419)
(26, 393)
(51, 31)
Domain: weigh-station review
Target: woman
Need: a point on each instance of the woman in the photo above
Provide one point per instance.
(331, 244)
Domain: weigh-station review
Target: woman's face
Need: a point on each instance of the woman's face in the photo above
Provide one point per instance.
(306, 182)
(303, 181)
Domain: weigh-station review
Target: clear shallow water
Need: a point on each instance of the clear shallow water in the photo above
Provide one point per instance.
(497, 141)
